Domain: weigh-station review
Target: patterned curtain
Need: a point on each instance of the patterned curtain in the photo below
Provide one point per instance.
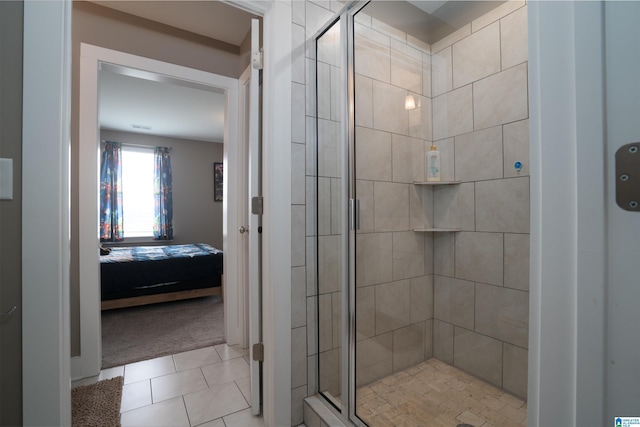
(111, 229)
(162, 224)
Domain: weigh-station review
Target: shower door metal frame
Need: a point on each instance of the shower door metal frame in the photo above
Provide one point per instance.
(354, 213)
(337, 19)
(350, 208)
(349, 229)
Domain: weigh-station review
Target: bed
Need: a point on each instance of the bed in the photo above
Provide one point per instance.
(139, 275)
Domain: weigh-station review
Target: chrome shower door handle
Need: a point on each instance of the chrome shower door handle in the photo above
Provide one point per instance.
(243, 229)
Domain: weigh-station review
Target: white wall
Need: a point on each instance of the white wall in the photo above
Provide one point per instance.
(45, 219)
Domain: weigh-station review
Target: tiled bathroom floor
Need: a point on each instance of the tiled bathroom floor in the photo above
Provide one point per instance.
(208, 387)
(436, 394)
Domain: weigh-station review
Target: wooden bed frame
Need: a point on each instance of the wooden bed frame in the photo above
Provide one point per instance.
(195, 272)
(152, 299)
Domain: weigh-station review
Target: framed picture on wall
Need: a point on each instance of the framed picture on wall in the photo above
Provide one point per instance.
(217, 182)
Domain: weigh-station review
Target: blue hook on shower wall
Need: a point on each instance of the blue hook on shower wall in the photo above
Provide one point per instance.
(517, 166)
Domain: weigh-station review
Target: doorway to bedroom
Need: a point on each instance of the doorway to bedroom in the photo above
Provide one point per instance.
(190, 266)
(160, 294)
(99, 61)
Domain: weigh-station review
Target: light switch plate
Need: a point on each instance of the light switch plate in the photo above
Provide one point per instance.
(6, 179)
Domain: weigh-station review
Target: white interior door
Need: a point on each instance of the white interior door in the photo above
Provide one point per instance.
(254, 218)
(622, 38)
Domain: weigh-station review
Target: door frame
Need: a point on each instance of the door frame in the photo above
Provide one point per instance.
(91, 58)
(567, 362)
(243, 309)
(621, 35)
(46, 118)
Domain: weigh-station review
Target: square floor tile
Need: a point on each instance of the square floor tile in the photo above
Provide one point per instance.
(170, 413)
(196, 358)
(147, 369)
(226, 371)
(135, 395)
(174, 385)
(214, 423)
(454, 398)
(227, 352)
(244, 384)
(215, 402)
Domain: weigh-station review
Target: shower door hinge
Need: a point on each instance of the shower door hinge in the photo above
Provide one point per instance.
(627, 177)
(354, 214)
(258, 352)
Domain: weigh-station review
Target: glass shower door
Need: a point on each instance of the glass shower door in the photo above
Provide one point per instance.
(330, 205)
(422, 287)
(393, 268)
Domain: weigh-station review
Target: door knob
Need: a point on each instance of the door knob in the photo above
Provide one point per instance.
(243, 229)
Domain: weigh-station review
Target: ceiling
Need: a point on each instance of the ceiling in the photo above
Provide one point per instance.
(152, 105)
(214, 19)
(166, 108)
(429, 20)
(178, 110)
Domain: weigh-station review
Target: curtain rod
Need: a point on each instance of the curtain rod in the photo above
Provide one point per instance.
(140, 145)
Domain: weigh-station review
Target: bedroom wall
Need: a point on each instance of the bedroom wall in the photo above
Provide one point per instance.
(119, 31)
(196, 217)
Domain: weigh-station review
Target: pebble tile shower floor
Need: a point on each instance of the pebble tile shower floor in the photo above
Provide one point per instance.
(436, 394)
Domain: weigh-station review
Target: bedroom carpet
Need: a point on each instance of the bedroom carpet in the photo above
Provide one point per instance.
(98, 404)
(140, 333)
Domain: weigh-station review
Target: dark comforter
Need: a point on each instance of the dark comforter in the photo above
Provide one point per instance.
(144, 270)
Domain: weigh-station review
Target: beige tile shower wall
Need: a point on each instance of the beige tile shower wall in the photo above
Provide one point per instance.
(481, 274)
(437, 79)
(394, 274)
(306, 342)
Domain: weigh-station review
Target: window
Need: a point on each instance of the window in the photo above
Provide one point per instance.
(137, 191)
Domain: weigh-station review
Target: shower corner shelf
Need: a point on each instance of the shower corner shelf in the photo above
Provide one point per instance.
(437, 230)
(436, 182)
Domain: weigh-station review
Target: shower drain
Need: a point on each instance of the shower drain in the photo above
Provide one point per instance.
(464, 425)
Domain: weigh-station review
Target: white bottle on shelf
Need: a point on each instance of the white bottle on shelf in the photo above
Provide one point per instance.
(433, 164)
